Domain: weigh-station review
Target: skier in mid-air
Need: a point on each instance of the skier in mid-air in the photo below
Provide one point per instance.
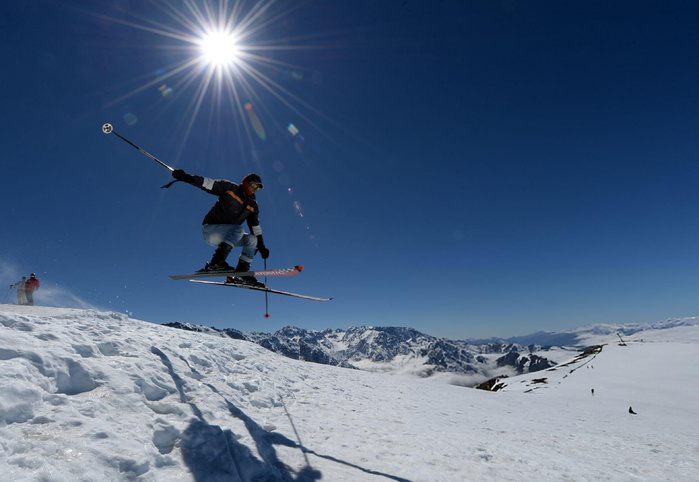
(223, 223)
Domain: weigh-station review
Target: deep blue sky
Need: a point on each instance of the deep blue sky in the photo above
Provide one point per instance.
(466, 168)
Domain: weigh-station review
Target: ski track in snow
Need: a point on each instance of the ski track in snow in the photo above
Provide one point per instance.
(89, 396)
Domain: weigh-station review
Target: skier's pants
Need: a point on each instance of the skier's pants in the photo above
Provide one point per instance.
(234, 236)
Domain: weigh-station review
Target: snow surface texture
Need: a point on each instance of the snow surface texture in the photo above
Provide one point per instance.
(92, 396)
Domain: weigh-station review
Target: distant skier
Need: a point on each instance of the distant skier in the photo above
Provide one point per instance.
(21, 293)
(223, 223)
(30, 287)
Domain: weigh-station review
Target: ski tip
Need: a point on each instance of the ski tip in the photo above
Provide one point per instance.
(266, 315)
(299, 267)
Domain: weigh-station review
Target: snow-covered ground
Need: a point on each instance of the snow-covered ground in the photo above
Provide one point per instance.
(94, 396)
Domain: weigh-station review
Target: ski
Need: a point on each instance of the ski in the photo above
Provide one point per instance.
(265, 289)
(214, 274)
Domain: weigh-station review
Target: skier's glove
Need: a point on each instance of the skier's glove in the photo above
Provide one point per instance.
(264, 252)
(180, 175)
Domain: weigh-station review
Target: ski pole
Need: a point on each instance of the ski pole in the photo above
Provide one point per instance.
(266, 301)
(108, 129)
(7, 296)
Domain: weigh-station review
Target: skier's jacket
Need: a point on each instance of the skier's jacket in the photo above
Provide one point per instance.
(20, 284)
(233, 205)
(31, 284)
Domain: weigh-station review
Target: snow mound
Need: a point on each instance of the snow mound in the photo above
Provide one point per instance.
(88, 395)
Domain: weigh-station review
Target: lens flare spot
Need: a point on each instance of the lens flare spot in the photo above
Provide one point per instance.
(299, 142)
(255, 121)
(296, 75)
(293, 129)
(130, 118)
(298, 208)
(165, 91)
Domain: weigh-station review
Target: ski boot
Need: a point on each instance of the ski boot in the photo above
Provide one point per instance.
(242, 267)
(218, 261)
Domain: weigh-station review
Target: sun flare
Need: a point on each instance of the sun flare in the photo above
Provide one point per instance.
(227, 56)
(220, 49)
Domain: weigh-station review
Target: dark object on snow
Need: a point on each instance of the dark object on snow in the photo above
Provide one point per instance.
(631, 411)
(493, 385)
(593, 391)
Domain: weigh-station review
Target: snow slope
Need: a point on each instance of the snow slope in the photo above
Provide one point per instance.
(87, 396)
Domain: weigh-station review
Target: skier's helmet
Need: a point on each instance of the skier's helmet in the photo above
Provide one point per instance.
(252, 181)
(32, 275)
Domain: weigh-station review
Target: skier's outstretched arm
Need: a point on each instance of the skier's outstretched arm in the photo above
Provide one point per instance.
(212, 186)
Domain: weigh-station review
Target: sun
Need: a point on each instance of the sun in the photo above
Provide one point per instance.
(220, 49)
(226, 56)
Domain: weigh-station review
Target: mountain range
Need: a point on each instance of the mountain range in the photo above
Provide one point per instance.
(406, 351)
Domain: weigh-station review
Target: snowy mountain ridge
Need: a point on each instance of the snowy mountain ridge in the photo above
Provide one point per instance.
(406, 351)
(399, 350)
(592, 334)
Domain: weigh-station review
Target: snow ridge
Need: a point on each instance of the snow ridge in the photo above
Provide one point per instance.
(406, 351)
(400, 350)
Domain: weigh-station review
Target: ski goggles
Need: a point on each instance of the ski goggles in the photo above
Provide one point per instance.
(255, 185)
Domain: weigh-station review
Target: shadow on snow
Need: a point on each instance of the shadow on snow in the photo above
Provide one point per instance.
(214, 454)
